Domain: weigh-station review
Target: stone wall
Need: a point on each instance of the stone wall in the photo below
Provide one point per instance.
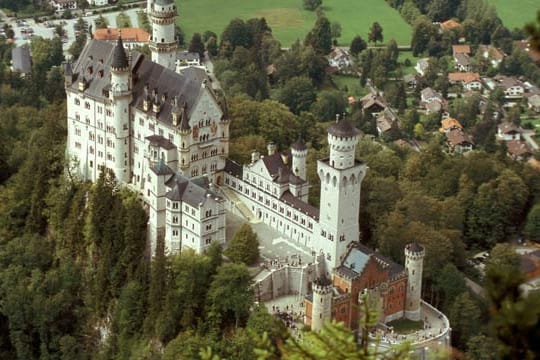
(287, 280)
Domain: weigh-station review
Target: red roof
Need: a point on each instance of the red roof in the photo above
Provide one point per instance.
(128, 34)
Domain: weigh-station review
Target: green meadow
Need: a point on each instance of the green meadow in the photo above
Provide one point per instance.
(516, 13)
(289, 21)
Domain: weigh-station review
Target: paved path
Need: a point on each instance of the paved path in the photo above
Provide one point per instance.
(475, 288)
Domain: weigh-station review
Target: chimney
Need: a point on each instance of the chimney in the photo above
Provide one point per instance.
(255, 156)
(271, 148)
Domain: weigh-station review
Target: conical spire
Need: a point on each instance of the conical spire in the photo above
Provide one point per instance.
(120, 60)
(299, 145)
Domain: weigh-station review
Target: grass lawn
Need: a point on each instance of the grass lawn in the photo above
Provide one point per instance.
(289, 21)
(404, 55)
(516, 13)
(123, 21)
(404, 326)
(351, 83)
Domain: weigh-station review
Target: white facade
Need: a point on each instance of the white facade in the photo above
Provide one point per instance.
(98, 2)
(322, 303)
(277, 195)
(128, 116)
(414, 258)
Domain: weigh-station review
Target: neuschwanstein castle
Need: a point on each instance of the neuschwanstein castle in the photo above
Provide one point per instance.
(165, 134)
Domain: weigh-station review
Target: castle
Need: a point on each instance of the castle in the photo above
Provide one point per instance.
(165, 135)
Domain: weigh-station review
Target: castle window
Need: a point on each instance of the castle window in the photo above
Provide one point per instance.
(91, 164)
(175, 205)
(77, 101)
(77, 117)
(87, 105)
(175, 232)
(175, 219)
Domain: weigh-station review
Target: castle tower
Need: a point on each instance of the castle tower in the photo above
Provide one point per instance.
(322, 303)
(185, 141)
(121, 96)
(414, 258)
(299, 155)
(341, 177)
(163, 41)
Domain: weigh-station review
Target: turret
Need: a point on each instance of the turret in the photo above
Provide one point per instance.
(414, 258)
(163, 40)
(120, 97)
(299, 155)
(68, 74)
(322, 303)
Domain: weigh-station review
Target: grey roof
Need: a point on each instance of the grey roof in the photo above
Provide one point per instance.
(160, 168)
(343, 128)
(356, 260)
(192, 192)
(462, 59)
(289, 199)
(233, 168)
(21, 59)
(430, 93)
(359, 254)
(119, 60)
(163, 2)
(98, 56)
(188, 56)
(415, 247)
(280, 171)
(158, 140)
(299, 145)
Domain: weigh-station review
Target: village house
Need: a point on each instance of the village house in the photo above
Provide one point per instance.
(387, 122)
(422, 66)
(411, 80)
(448, 25)
(494, 55)
(131, 37)
(432, 101)
(459, 141)
(373, 103)
(462, 62)
(185, 59)
(448, 124)
(518, 150)
(98, 2)
(340, 58)
(525, 45)
(62, 5)
(512, 87)
(507, 131)
(469, 80)
(533, 102)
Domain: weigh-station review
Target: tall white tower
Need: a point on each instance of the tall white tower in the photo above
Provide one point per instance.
(322, 303)
(414, 259)
(341, 177)
(163, 42)
(121, 96)
(299, 155)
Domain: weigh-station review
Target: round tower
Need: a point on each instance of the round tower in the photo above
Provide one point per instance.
(414, 258)
(185, 139)
(121, 96)
(299, 155)
(342, 140)
(163, 40)
(322, 303)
